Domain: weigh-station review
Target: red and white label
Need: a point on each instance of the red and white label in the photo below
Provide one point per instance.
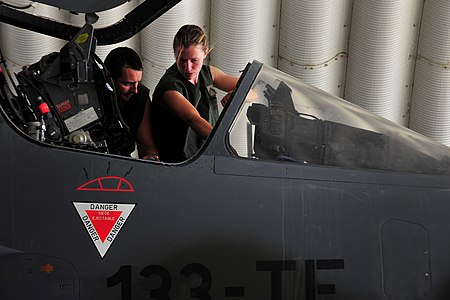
(103, 221)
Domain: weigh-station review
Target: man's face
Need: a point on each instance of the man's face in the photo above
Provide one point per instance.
(127, 84)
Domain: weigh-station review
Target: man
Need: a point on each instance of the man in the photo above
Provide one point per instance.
(125, 67)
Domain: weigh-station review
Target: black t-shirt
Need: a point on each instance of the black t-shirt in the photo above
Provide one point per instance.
(132, 111)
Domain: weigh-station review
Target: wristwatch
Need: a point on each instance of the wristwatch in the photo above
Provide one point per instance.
(151, 156)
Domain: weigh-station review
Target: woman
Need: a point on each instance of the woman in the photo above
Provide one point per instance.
(184, 107)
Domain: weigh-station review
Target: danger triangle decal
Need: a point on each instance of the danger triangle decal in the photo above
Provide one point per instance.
(103, 221)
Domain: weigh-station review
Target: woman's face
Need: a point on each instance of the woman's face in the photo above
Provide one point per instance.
(189, 61)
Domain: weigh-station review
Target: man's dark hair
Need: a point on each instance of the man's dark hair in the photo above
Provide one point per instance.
(122, 57)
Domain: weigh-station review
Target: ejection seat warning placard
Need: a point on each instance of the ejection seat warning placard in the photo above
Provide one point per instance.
(103, 221)
(81, 119)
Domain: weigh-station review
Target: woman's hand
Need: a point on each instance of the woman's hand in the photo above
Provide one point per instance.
(225, 99)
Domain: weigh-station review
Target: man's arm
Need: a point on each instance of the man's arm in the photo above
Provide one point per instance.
(144, 136)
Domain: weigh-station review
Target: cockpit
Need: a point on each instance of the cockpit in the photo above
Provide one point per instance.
(66, 99)
(294, 122)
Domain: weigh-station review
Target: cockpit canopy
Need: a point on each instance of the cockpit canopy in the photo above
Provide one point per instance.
(295, 122)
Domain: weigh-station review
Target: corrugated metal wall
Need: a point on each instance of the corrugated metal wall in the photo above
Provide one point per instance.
(314, 42)
(22, 47)
(430, 108)
(381, 52)
(388, 56)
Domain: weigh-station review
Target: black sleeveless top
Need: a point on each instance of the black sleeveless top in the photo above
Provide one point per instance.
(175, 140)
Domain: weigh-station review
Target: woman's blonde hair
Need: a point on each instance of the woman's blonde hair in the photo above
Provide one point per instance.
(189, 35)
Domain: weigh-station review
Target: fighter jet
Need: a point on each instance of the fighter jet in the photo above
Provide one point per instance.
(296, 194)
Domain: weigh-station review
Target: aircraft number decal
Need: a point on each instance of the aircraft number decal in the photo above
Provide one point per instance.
(103, 221)
(124, 278)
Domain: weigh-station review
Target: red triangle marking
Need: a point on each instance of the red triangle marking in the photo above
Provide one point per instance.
(103, 221)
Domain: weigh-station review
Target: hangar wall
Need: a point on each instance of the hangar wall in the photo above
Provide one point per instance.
(388, 56)
(430, 108)
(380, 67)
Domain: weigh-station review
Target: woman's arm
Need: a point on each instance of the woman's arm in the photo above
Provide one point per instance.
(227, 83)
(184, 110)
(222, 80)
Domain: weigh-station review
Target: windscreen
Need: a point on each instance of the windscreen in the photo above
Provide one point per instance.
(287, 120)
